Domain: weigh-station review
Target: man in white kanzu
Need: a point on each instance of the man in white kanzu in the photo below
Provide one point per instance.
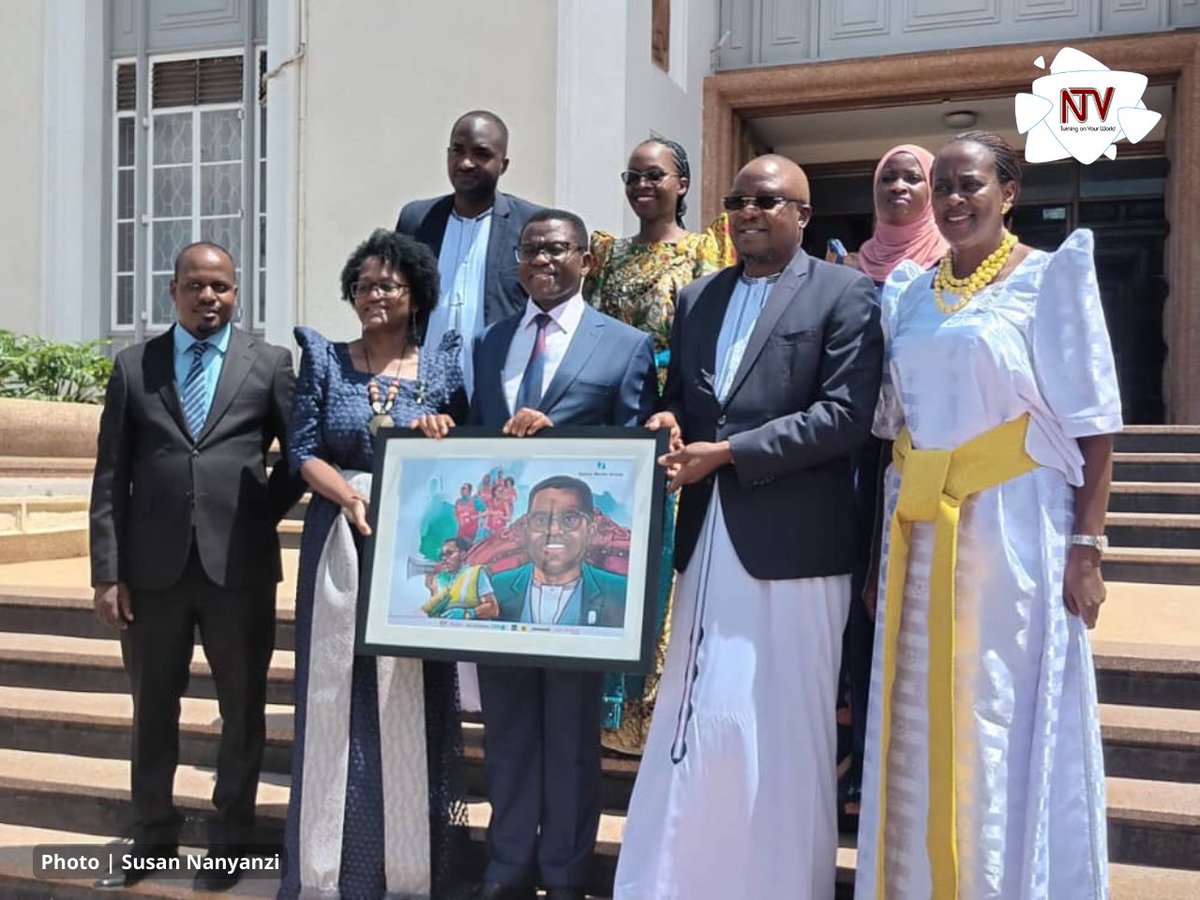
(775, 368)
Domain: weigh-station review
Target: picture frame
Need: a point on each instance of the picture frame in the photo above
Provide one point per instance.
(542, 551)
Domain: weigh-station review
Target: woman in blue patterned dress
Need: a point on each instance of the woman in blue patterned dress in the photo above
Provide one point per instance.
(347, 836)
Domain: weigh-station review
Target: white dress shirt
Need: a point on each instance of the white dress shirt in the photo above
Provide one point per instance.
(462, 267)
(745, 306)
(564, 320)
(547, 601)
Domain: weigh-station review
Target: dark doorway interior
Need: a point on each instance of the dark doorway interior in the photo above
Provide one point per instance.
(1121, 201)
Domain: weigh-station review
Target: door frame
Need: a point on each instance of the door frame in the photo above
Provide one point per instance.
(733, 97)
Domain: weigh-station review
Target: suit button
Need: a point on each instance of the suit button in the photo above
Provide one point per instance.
(195, 454)
(721, 421)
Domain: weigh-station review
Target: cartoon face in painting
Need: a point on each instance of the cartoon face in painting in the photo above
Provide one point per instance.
(560, 527)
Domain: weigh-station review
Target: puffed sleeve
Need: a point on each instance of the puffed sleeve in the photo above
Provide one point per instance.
(1072, 354)
(593, 284)
(716, 247)
(889, 412)
(305, 431)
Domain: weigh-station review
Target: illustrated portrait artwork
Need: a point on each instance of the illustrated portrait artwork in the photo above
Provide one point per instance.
(531, 546)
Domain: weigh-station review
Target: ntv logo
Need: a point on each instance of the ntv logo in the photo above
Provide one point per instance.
(1084, 94)
(1096, 107)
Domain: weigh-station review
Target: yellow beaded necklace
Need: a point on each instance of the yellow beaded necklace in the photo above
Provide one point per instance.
(966, 288)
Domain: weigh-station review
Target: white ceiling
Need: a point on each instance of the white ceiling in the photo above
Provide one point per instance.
(864, 134)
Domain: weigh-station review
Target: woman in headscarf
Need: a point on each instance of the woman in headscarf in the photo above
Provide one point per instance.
(904, 230)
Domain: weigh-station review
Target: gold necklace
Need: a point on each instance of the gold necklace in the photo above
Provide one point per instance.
(966, 288)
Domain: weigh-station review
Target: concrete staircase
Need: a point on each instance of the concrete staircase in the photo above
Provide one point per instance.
(65, 710)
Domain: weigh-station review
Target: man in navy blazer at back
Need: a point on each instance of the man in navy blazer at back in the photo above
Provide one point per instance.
(558, 362)
(473, 232)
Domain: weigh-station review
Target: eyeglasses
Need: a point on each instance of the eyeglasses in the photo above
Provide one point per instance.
(571, 520)
(555, 251)
(653, 177)
(388, 290)
(765, 202)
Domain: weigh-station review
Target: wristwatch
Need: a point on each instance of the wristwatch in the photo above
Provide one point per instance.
(1097, 541)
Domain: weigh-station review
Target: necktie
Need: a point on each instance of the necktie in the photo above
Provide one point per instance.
(195, 407)
(530, 392)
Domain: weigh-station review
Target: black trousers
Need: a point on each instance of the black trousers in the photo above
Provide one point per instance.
(237, 630)
(542, 728)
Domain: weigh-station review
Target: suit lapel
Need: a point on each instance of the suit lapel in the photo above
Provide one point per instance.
(777, 302)
(160, 374)
(239, 358)
(433, 227)
(505, 331)
(709, 316)
(579, 351)
(498, 238)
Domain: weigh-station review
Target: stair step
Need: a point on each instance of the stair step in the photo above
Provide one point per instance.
(1156, 675)
(1158, 439)
(1154, 823)
(17, 843)
(47, 467)
(68, 611)
(46, 789)
(1151, 529)
(1151, 743)
(88, 664)
(1155, 497)
(1153, 564)
(1156, 466)
(100, 725)
(43, 543)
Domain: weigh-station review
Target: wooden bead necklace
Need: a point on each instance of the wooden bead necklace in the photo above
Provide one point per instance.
(381, 401)
(966, 288)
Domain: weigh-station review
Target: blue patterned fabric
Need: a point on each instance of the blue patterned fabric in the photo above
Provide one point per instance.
(330, 412)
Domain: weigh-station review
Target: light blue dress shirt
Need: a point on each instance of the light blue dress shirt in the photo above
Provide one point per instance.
(212, 361)
(745, 306)
(462, 266)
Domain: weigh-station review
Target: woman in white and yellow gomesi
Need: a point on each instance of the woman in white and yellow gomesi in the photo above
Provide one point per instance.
(984, 776)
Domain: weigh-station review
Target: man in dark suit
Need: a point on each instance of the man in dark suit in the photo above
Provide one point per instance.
(774, 372)
(557, 586)
(473, 232)
(559, 362)
(183, 519)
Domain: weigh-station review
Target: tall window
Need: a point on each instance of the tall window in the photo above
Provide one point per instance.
(195, 188)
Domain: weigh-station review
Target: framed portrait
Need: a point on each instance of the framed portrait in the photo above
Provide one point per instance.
(543, 550)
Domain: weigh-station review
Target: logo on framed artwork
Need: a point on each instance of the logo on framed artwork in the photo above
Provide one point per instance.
(1081, 109)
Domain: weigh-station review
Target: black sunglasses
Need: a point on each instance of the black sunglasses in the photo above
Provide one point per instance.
(765, 202)
(653, 177)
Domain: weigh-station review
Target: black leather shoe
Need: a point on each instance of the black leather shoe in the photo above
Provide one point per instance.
(224, 874)
(565, 893)
(492, 890)
(137, 873)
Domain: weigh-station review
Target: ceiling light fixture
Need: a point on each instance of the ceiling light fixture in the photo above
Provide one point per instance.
(960, 118)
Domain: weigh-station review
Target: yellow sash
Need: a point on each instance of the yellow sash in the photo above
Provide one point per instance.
(933, 486)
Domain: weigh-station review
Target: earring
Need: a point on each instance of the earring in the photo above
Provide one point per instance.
(1004, 209)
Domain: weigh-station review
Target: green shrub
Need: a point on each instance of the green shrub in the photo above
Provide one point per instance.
(33, 368)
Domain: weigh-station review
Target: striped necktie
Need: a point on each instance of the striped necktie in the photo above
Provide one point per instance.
(529, 394)
(195, 403)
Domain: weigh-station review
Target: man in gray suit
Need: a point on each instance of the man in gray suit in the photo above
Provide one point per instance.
(473, 232)
(559, 362)
(183, 519)
(774, 372)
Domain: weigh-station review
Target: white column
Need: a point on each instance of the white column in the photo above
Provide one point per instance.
(75, 265)
(285, 64)
(590, 141)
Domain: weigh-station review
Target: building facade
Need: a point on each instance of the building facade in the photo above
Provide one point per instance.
(288, 129)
